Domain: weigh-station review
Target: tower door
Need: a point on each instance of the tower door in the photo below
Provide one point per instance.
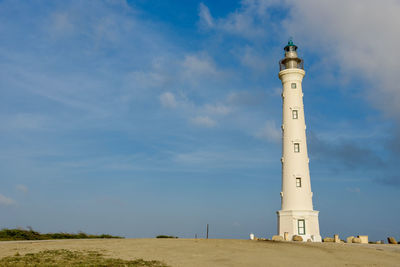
(301, 225)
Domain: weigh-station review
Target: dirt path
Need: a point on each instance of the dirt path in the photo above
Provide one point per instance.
(223, 252)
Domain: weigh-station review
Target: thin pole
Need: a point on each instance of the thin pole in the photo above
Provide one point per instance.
(207, 230)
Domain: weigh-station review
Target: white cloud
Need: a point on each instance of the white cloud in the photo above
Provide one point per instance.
(245, 98)
(24, 121)
(6, 201)
(217, 157)
(167, 100)
(353, 190)
(60, 24)
(204, 121)
(357, 36)
(22, 188)
(270, 132)
(199, 65)
(353, 39)
(247, 22)
(217, 109)
(253, 59)
(205, 16)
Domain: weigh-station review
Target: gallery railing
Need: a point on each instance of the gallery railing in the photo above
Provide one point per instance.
(291, 63)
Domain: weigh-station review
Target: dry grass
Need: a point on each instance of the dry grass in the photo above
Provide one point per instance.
(63, 257)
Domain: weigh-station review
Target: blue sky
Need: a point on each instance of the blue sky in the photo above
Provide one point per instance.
(140, 118)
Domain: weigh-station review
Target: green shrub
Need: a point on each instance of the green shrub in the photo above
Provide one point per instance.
(21, 234)
(166, 236)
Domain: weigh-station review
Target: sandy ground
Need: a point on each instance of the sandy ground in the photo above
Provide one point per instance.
(223, 252)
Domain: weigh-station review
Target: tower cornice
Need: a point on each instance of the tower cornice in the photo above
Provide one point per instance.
(291, 71)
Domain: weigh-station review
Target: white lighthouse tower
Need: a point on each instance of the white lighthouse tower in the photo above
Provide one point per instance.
(296, 216)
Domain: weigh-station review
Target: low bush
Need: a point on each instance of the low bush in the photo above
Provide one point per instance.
(22, 234)
(166, 236)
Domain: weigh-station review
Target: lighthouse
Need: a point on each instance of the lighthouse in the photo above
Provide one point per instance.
(297, 216)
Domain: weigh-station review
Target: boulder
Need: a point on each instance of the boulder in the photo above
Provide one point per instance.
(297, 238)
(392, 240)
(329, 239)
(356, 240)
(363, 238)
(277, 238)
(378, 242)
(286, 236)
(309, 240)
(349, 239)
(336, 238)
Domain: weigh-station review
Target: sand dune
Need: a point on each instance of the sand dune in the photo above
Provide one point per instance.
(222, 252)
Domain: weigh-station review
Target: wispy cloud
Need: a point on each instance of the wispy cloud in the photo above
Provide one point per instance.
(167, 100)
(6, 201)
(246, 98)
(22, 188)
(356, 190)
(270, 132)
(214, 157)
(199, 65)
(334, 40)
(206, 19)
(246, 22)
(60, 24)
(204, 121)
(24, 121)
(253, 58)
(217, 109)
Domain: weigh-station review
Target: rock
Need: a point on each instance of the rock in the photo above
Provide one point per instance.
(277, 238)
(349, 239)
(392, 240)
(363, 238)
(329, 239)
(336, 238)
(286, 236)
(297, 238)
(378, 242)
(356, 240)
(309, 240)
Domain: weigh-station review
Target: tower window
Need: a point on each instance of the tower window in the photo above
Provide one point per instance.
(295, 114)
(293, 85)
(296, 147)
(301, 225)
(298, 182)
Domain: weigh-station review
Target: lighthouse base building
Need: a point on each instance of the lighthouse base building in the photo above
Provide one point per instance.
(297, 215)
(299, 222)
